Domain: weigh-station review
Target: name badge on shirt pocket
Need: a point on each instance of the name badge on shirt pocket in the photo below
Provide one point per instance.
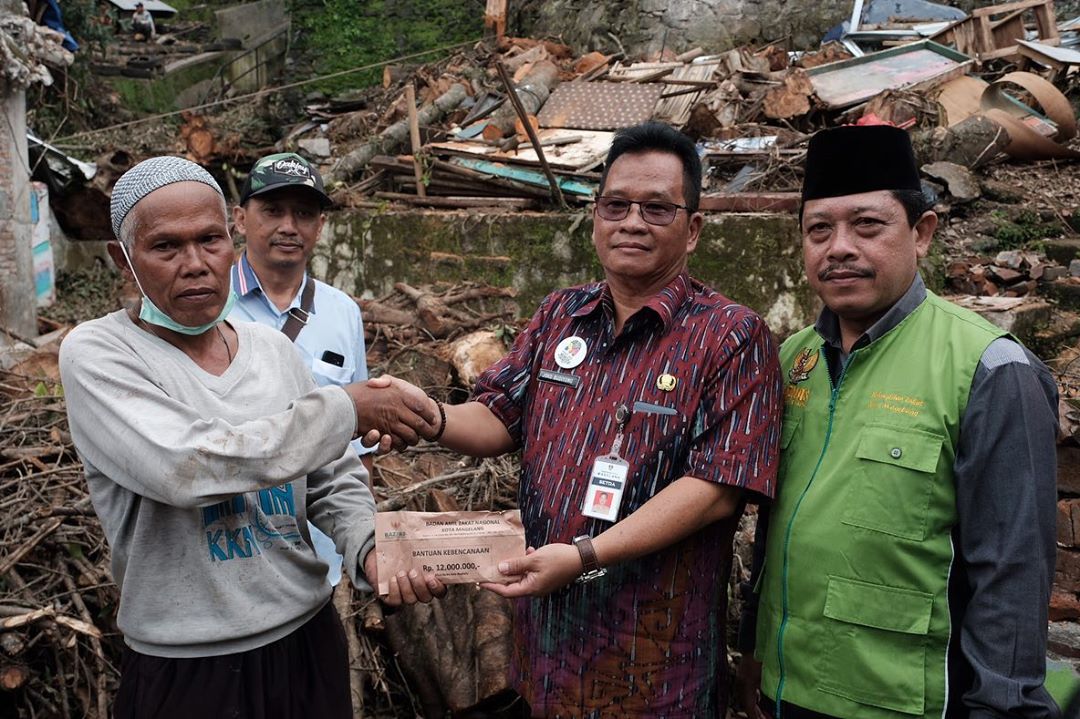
(650, 408)
(567, 380)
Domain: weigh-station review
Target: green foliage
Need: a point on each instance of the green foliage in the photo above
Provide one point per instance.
(337, 35)
(1022, 231)
(85, 294)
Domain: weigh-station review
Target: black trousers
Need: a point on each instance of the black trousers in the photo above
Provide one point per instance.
(305, 674)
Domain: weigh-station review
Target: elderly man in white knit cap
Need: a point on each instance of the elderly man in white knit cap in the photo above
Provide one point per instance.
(207, 447)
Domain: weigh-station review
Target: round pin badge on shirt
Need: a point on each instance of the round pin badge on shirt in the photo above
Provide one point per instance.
(666, 382)
(570, 352)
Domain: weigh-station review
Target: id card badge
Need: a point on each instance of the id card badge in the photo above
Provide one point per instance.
(606, 484)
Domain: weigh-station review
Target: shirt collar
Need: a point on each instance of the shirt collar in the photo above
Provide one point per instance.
(664, 303)
(828, 324)
(246, 282)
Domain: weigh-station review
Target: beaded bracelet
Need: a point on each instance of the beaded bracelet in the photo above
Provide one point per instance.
(442, 420)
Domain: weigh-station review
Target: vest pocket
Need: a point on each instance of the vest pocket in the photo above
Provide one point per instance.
(890, 489)
(875, 646)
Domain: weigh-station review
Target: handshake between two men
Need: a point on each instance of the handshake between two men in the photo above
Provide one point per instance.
(394, 414)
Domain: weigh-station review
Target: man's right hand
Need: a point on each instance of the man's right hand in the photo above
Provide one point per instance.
(395, 409)
(748, 686)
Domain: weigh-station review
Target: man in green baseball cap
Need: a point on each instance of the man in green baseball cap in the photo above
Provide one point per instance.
(281, 215)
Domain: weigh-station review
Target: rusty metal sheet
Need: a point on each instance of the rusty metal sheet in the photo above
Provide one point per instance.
(917, 66)
(599, 105)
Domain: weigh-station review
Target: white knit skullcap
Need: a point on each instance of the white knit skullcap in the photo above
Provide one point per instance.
(150, 175)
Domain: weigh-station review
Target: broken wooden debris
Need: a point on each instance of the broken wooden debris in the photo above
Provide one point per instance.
(395, 136)
(532, 91)
(993, 32)
(918, 66)
(1057, 60)
(527, 122)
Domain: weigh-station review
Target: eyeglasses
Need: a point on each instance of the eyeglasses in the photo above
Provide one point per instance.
(655, 212)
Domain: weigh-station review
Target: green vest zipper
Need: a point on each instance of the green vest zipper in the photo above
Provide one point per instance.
(787, 537)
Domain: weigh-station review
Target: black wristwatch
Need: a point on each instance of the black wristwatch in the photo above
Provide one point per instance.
(590, 566)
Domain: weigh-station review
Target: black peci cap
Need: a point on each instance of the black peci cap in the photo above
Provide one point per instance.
(859, 158)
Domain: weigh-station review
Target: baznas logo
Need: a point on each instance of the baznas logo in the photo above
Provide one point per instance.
(290, 167)
(804, 364)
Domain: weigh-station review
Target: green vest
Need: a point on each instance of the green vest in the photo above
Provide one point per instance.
(854, 616)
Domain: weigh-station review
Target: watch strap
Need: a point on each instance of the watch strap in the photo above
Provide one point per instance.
(589, 562)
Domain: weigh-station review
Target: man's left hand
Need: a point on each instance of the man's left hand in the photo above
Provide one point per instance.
(405, 588)
(540, 572)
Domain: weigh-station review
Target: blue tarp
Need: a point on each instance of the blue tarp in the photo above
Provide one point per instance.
(53, 18)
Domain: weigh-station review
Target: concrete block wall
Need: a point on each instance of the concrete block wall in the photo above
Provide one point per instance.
(17, 311)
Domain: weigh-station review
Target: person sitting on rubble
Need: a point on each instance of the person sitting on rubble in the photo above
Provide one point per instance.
(142, 23)
(207, 448)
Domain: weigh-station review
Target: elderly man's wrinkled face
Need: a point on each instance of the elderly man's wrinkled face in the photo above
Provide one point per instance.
(182, 251)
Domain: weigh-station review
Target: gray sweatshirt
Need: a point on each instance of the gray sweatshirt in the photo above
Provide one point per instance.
(204, 484)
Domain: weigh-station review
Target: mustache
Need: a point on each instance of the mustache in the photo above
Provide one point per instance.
(280, 240)
(845, 267)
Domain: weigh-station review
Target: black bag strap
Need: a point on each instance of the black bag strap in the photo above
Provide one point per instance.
(298, 316)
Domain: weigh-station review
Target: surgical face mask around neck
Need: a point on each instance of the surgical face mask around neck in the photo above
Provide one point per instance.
(150, 314)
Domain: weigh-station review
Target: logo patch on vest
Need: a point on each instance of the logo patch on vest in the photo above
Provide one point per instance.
(804, 364)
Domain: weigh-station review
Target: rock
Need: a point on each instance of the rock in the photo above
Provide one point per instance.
(1074, 268)
(1002, 192)
(963, 185)
(1067, 570)
(1054, 272)
(1063, 605)
(1006, 276)
(1068, 468)
(1064, 639)
(314, 146)
(1062, 251)
(1009, 258)
(1064, 523)
(1022, 316)
(1065, 291)
(971, 143)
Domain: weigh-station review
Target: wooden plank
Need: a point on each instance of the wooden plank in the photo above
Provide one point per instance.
(1006, 7)
(495, 16)
(676, 102)
(1047, 54)
(414, 138)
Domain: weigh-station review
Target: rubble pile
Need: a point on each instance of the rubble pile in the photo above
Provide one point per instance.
(1012, 273)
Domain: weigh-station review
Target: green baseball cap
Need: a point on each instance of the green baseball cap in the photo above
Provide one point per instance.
(280, 171)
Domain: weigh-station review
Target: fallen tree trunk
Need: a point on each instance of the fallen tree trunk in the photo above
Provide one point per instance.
(393, 138)
(533, 91)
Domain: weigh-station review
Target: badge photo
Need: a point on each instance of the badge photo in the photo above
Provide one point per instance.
(607, 481)
(571, 352)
